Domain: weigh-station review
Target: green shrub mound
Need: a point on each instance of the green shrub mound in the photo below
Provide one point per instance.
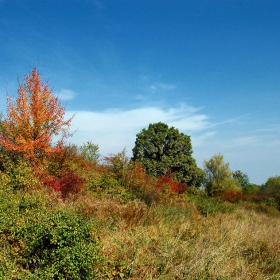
(56, 245)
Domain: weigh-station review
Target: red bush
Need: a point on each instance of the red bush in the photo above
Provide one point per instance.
(232, 195)
(166, 181)
(68, 183)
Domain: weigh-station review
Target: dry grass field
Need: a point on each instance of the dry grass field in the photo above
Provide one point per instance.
(174, 241)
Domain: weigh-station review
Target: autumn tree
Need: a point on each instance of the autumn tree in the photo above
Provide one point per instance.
(218, 176)
(163, 150)
(33, 119)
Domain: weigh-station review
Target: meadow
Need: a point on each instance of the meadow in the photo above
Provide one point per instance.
(113, 232)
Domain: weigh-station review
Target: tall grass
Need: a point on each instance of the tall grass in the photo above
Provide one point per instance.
(174, 241)
(171, 239)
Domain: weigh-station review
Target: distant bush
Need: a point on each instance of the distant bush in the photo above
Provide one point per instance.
(208, 206)
(231, 196)
(218, 176)
(90, 152)
(132, 177)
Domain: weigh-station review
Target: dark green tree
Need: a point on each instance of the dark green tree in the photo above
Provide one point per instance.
(241, 178)
(271, 187)
(165, 151)
(270, 191)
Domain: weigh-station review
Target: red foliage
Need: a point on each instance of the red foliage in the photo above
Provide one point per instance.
(178, 187)
(235, 196)
(136, 177)
(131, 174)
(232, 196)
(167, 181)
(33, 119)
(68, 183)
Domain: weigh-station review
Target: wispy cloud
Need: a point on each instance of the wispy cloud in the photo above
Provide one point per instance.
(229, 120)
(252, 140)
(201, 140)
(66, 94)
(271, 128)
(116, 129)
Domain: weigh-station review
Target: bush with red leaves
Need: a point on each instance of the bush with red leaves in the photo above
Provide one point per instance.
(167, 181)
(231, 196)
(68, 183)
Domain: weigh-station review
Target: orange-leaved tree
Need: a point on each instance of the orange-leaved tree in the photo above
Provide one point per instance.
(33, 119)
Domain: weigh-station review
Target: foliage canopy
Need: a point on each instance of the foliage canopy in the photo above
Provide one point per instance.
(218, 176)
(33, 119)
(163, 150)
(242, 178)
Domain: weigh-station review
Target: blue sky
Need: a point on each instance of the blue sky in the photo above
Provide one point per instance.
(209, 68)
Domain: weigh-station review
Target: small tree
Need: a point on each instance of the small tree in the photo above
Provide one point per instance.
(33, 119)
(90, 152)
(271, 187)
(218, 176)
(241, 178)
(163, 150)
(273, 184)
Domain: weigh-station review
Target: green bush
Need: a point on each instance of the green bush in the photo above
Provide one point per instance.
(57, 245)
(17, 173)
(218, 176)
(208, 206)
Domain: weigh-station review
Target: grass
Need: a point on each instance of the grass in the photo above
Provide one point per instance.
(182, 237)
(175, 241)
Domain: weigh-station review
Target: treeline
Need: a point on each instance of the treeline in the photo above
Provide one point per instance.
(163, 153)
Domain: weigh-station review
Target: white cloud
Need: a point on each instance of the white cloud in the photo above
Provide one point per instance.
(230, 120)
(114, 129)
(66, 94)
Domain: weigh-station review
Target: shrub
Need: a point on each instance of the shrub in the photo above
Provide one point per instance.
(168, 184)
(57, 245)
(218, 176)
(231, 195)
(90, 152)
(132, 177)
(69, 183)
(208, 206)
(16, 172)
